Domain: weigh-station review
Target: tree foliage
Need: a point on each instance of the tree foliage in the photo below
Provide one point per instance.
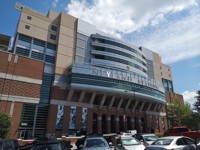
(197, 103)
(179, 113)
(5, 125)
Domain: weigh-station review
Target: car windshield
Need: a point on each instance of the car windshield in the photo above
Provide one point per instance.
(131, 141)
(150, 138)
(162, 142)
(95, 143)
(49, 147)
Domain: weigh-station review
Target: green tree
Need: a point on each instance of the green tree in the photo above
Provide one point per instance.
(197, 103)
(5, 125)
(179, 113)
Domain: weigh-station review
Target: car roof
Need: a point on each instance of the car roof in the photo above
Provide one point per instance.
(148, 135)
(127, 137)
(172, 137)
(95, 137)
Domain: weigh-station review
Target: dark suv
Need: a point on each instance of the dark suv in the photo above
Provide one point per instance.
(48, 144)
(9, 144)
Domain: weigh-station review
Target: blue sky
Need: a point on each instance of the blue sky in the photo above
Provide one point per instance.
(170, 28)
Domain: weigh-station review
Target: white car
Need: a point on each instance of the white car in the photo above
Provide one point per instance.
(126, 134)
(128, 143)
(173, 143)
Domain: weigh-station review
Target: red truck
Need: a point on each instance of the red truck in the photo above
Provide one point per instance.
(182, 131)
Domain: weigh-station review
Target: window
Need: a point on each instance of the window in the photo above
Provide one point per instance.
(51, 46)
(161, 73)
(37, 55)
(54, 28)
(29, 17)
(39, 43)
(50, 59)
(27, 27)
(22, 51)
(24, 38)
(52, 37)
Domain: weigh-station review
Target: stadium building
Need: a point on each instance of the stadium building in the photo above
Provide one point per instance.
(63, 75)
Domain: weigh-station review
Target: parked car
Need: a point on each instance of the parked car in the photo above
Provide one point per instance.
(183, 131)
(128, 143)
(146, 139)
(9, 144)
(133, 132)
(48, 144)
(67, 144)
(126, 134)
(95, 143)
(81, 140)
(174, 143)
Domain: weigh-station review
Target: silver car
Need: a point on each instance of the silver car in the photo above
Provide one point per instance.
(146, 139)
(128, 143)
(95, 143)
(173, 142)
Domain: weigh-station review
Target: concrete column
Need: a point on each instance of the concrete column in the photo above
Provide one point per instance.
(120, 103)
(103, 100)
(82, 96)
(112, 101)
(92, 98)
(136, 102)
(127, 105)
(70, 94)
(149, 107)
(141, 107)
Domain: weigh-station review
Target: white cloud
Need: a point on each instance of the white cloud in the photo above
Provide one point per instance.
(124, 16)
(189, 97)
(55, 3)
(176, 40)
(173, 40)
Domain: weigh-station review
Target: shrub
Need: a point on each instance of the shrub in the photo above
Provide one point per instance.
(5, 125)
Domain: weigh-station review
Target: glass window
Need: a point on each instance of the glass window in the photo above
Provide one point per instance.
(51, 46)
(29, 17)
(50, 59)
(162, 142)
(27, 27)
(39, 43)
(188, 141)
(22, 51)
(52, 37)
(54, 28)
(37, 55)
(24, 38)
